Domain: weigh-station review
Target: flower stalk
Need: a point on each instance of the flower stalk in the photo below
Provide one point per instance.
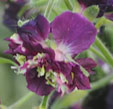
(68, 4)
(98, 53)
(104, 51)
(102, 82)
(49, 8)
(44, 104)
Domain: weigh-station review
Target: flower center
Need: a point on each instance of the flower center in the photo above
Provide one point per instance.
(59, 55)
(55, 79)
(62, 52)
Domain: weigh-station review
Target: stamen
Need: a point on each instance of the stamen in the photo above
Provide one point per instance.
(14, 67)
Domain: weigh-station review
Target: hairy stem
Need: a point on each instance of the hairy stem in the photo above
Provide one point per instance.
(104, 51)
(102, 82)
(44, 104)
(68, 4)
(49, 8)
(97, 53)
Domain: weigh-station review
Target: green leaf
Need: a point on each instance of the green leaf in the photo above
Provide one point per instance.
(103, 21)
(6, 61)
(91, 12)
(69, 99)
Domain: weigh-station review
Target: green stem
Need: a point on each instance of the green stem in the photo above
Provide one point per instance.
(68, 4)
(48, 8)
(97, 53)
(21, 101)
(41, 2)
(102, 82)
(76, 7)
(104, 51)
(55, 12)
(22, 11)
(44, 103)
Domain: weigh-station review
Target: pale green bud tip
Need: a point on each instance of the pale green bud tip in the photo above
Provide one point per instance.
(21, 23)
(20, 58)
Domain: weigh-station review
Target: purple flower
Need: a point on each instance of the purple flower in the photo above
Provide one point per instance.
(10, 16)
(44, 52)
(104, 5)
(87, 63)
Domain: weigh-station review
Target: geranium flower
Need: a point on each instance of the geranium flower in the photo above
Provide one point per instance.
(44, 52)
(104, 5)
(10, 16)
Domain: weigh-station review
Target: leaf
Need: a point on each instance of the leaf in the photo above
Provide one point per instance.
(6, 61)
(91, 12)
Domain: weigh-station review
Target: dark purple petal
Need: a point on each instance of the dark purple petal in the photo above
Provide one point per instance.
(16, 48)
(79, 80)
(50, 52)
(61, 67)
(33, 48)
(66, 69)
(35, 30)
(36, 84)
(47, 61)
(87, 63)
(74, 31)
(33, 33)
